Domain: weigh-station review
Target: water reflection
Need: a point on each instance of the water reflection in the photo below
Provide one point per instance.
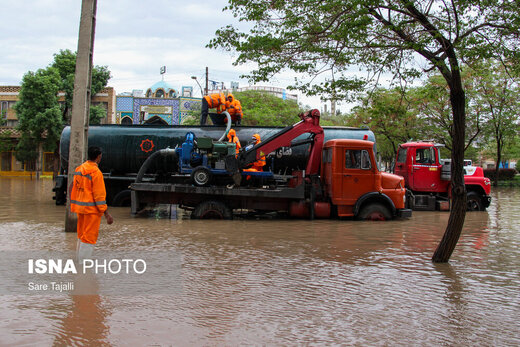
(282, 282)
(84, 324)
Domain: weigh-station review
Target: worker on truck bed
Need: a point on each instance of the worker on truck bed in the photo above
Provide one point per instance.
(217, 101)
(260, 163)
(232, 137)
(234, 108)
(88, 200)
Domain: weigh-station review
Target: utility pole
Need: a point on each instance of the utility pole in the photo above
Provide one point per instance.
(207, 81)
(81, 99)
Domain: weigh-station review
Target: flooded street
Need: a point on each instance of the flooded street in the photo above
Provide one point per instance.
(276, 282)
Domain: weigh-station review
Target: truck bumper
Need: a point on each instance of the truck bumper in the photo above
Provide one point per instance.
(404, 213)
(486, 200)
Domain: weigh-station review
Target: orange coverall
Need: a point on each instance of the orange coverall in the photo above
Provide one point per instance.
(234, 108)
(217, 101)
(88, 200)
(232, 137)
(260, 163)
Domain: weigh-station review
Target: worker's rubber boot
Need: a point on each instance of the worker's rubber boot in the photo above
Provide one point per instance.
(84, 251)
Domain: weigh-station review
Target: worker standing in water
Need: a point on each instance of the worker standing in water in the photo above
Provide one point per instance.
(234, 108)
(233, 138)
(88, 200)
(217, 101)
(260, 163)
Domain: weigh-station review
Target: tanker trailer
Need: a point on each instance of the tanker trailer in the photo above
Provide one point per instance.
(126, 147)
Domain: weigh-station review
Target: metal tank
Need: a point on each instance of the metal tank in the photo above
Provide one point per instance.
(126, 147)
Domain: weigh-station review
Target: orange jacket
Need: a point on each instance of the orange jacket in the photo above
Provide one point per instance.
(232, 137)
(217, 101)
(260, 163)
(88, 193)
(234, 107)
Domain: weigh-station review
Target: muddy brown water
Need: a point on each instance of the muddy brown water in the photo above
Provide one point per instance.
(277, 282)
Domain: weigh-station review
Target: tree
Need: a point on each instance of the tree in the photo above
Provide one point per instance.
(39, 114)
(387, 112)
(262, 108)
(497, 97)
(433, 108)
(382, 36)
(65, 63)
(97, 113)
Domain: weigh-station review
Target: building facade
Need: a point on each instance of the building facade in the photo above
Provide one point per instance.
(9, 136)
(161, 104)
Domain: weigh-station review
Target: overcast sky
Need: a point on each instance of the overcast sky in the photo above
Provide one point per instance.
(133, 38)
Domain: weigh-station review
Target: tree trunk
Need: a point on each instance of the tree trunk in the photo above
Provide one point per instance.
(458, 210)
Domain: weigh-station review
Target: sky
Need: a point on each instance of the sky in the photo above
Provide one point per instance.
(133, 39)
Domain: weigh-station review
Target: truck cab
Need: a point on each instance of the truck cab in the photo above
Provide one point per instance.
(427, 178)
(355, 185)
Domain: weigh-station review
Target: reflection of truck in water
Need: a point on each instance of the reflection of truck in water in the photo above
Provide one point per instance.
(428, 178)
(339, 178)
(126, 147)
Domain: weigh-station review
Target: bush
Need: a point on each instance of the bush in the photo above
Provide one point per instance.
(503, 174)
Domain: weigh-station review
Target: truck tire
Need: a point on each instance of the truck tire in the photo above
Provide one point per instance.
(122, 199)
(212, 209)
(474, 202)
(374, 212)
(201, 176)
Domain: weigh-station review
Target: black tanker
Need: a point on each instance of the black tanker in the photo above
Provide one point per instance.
(126, 147)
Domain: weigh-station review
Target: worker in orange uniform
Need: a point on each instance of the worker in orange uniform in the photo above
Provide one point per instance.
(260, 163)
(232, 137)
(217, 101)
(88, 200)
(234, 108)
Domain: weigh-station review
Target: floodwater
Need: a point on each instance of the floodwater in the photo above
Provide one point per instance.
(277, 282)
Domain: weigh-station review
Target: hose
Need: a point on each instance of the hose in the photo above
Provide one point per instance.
(150, 159)
(228, 126)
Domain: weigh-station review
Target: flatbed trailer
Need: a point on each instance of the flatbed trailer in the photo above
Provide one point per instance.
(188, 196)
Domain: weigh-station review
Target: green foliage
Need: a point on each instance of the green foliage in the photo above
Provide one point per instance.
(38, 113)
(314, 38)
(6, 143)
(97, 113)
(262, 108)
(496, 98)
(65, 63)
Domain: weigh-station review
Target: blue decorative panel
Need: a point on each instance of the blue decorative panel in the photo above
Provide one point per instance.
(190, 104)
(124, 104)
(174, 103)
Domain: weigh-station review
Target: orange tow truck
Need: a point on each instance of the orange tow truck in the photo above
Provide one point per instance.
(341, 179)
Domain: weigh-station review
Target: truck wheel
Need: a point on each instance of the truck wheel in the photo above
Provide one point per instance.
(374, 212)
(122, 199)
(474, 202)
(201, 176)
(212, 209)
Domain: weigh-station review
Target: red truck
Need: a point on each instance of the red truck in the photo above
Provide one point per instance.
(341, 178)
(427, 178)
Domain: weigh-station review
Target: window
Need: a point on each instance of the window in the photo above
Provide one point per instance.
(159, 93)
(327, 156)
(6, 161)
(357, 159)
(401, 155)
(425, 156)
